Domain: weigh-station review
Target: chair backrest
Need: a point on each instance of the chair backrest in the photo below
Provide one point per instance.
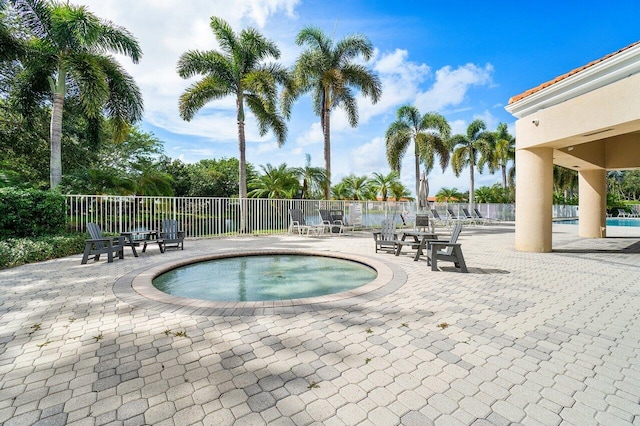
(338, 215)
(325, 215)
(170, 229)
(422, 221)
(452, 215)
(478, 214)
(453, 239)
(466, 213)
(435, 214)
(297, 216)
(94, 230)
(388, 229)
(96, 234)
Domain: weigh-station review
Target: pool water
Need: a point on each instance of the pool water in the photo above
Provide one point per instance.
(611, 221)
(264, 278)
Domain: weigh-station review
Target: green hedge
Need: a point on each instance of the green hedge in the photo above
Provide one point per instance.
(18, 251)
(31, 213)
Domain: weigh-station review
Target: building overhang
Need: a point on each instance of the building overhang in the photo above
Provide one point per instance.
(620, 65)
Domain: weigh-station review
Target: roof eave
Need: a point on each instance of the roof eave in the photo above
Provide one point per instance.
(612, 69)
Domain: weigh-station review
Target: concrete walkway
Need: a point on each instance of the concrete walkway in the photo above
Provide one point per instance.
(523, 338)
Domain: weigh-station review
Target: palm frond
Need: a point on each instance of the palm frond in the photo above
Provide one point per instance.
(35, 14)
(199, 93)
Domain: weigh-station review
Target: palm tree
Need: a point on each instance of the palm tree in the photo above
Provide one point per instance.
(314, 179)
(504, 152)
(382, 184)
(449, 194)
(400, 192)
(237, 70)
(565, 181)
(327, 69)
(69, 49)
(466, 149)
(275, 182)
(429, 134)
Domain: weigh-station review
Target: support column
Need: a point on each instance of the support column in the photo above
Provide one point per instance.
(534, 199)
(593, 203)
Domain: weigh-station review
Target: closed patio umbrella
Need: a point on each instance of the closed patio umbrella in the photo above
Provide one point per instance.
(423, 192)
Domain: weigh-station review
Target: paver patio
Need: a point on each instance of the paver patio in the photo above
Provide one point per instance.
(526, 338)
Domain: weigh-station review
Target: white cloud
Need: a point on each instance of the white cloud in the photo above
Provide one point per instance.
(451, 86)
(312, 136)
(400, 79)
(369, 157)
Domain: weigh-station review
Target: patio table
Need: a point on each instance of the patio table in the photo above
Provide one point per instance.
(134, 238)
(419, 240)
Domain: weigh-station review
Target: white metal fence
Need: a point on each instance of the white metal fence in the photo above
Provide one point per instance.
(207, 217)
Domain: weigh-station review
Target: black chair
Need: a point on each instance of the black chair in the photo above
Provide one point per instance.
(98, 244)
(170, 235)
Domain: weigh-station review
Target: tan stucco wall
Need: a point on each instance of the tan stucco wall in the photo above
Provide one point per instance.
(616, 106)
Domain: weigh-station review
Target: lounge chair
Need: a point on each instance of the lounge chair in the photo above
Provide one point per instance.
(333, 224)
(453, 218)
(471, 219)
(299, 224)
(437, 220)
(339, 217)
(386, 238)
(99, 244)
(170, 235)
(486, 219)
(450, 251)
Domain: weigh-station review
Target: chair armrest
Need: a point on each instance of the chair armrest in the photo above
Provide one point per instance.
(444, 244)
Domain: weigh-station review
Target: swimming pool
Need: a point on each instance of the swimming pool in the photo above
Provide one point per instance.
(611, 221)
(264, 278)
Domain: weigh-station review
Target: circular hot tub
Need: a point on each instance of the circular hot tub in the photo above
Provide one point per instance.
(264, 277)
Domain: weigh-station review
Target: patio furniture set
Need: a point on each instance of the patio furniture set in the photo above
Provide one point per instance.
(169, 236)
(422, 241)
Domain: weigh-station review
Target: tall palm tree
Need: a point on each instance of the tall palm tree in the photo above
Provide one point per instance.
(471, 150)
(314, 179)
(327, 69)
(236, 70)
(429, 134)
(69, 49)
(382, 184)
(504, 152)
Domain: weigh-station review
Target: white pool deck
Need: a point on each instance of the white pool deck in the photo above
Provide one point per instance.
(536, 339)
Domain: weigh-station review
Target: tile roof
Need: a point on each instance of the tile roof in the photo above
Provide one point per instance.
(569, 74)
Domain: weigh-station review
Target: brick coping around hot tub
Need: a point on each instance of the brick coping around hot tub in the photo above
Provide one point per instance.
(137, 288)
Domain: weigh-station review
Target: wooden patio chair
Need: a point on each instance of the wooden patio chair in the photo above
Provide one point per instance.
(386, 238)
(99, 244)
(450, 251)
(170, 235)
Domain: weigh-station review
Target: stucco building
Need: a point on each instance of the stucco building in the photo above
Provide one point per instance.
(587, 120)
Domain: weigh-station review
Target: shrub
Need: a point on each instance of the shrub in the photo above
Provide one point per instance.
(30, 213)
(18, 251)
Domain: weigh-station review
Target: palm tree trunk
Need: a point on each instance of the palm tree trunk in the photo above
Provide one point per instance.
(55, 162)
(242, 166)
(504, 176)
(326, 129)
(417, 160)
(471, 185)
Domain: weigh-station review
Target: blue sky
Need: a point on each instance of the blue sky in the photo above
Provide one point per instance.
(463, 59)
